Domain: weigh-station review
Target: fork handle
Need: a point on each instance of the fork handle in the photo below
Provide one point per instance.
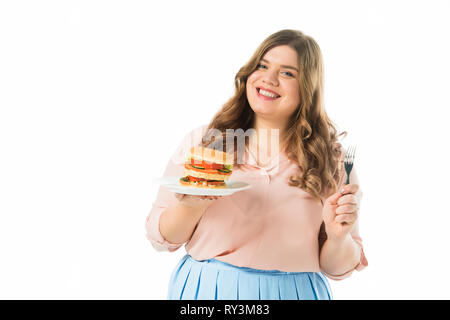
(348, 179)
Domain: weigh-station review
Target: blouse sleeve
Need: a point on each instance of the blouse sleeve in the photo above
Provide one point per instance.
(362, 263)
(166, 198)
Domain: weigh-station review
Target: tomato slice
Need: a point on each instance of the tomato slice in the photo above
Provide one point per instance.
(214, 166)
(207, 165)
(196, 179)
(210, 171)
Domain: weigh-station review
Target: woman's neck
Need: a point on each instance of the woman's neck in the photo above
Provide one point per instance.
(268, 135)
(266, 143)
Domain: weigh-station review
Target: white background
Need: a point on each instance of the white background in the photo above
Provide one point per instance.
(96, 95)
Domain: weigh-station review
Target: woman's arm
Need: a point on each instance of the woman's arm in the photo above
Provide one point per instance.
(342, 251)
(177, 223)
(339, 255)
(168, 218)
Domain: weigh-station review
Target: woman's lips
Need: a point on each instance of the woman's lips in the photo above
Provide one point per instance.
(264, 97)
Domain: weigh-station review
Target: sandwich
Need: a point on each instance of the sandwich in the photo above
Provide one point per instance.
(207, 168)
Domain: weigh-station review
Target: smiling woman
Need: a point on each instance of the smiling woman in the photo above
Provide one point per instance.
(281, 237)
(272, 89)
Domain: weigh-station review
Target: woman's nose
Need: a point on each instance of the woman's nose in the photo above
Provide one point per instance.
(270, 77)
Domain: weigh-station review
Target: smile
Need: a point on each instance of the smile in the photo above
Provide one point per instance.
(266, 95)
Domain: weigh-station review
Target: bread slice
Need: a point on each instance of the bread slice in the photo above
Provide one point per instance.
(212, 155)
(200, 184)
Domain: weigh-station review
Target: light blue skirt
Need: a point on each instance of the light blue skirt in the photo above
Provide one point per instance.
(216, 280)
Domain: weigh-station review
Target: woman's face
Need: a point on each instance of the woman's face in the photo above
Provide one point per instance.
(272, 89)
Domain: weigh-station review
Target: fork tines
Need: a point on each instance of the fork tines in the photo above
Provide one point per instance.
(348, 161)
(350, 155)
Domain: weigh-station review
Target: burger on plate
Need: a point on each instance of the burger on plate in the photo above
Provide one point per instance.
(207, 168)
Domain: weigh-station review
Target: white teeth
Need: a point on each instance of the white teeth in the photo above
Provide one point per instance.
(267, 93)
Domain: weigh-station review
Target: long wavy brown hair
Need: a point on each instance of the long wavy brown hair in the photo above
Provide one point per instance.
(311, 138)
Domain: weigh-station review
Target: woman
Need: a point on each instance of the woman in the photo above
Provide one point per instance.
(298, 221)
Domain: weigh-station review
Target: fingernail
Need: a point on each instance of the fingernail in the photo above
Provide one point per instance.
(342, 190)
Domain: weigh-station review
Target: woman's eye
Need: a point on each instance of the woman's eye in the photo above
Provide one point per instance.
(259, 66)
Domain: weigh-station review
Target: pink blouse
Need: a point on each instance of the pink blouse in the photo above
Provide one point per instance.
(270, 226)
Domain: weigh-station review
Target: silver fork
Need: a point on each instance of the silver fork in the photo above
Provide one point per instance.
(348, 161)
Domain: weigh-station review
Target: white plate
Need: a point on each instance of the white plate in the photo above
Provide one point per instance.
(174, 185)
